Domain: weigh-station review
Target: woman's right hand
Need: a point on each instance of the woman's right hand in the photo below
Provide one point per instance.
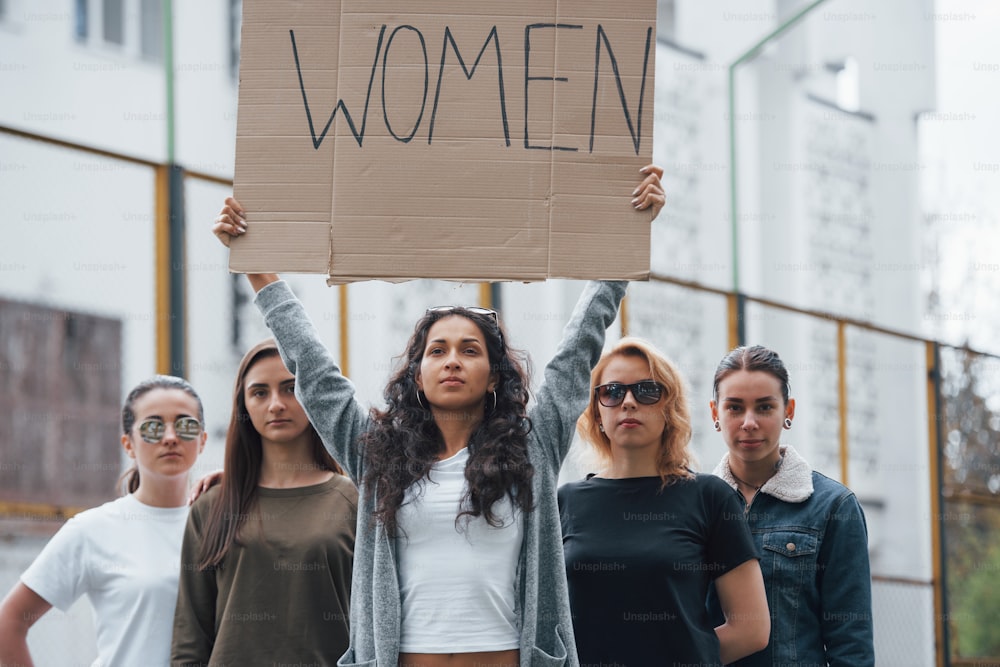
(231, 222)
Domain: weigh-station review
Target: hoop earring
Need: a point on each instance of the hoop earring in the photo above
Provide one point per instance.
(419, 402)
(788, 423)
(493, 409)
(718, 426)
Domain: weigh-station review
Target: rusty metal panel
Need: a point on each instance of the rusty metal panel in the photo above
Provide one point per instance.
(60, 393)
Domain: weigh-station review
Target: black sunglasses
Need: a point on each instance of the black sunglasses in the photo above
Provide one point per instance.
(153, 430)
(612, 394)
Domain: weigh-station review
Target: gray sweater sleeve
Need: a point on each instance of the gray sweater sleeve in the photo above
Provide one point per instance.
(327, 396)
(565, 388)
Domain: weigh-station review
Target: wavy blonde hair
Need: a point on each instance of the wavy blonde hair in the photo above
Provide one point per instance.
(674, 457)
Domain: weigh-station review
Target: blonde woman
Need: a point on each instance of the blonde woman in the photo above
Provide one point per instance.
(645, 537)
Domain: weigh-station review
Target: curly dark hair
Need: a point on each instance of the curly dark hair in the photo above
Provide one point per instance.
(404, 440)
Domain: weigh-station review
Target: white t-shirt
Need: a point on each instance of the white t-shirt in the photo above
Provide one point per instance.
(125, 556)
(456, 580)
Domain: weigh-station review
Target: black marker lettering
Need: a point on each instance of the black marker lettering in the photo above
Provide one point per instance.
(423, 101)
(449, 38)
(358, 136)
(636, 131)
(528, 79)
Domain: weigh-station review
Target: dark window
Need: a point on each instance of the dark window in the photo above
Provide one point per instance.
(151, 29)
(235, 27)
(113, 19)
(80, 21)
(60, 410)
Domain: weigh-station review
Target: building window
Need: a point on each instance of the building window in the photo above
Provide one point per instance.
(151, 30)
(113, 20)
(235, 28)
(80, 21)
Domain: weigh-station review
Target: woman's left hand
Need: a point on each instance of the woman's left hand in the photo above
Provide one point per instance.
(650, 192)
(204, 484)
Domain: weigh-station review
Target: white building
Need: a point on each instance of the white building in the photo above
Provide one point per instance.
(826, 182)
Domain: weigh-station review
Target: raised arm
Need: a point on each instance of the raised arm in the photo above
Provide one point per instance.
(327, 396)
(566, 380)
(232, 222)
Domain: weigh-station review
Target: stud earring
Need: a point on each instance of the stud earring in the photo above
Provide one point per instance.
(600, 427)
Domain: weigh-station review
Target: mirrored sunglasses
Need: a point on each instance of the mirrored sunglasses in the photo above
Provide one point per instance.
(186, 428)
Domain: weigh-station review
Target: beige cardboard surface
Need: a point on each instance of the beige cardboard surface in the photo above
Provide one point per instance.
(452, 139)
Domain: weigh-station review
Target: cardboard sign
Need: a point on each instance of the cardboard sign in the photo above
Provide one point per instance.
(452, 139)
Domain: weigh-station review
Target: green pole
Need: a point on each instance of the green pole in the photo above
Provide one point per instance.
(168, 63)
(175, 277)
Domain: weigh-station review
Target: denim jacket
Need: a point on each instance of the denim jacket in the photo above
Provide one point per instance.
(813, 542)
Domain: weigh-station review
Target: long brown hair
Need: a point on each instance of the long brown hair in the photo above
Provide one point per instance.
(242, 462)
(674, 457)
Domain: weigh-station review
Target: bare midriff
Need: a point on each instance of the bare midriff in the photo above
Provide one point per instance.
(508, 658)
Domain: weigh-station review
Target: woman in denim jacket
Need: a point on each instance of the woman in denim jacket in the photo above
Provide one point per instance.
(809, 529)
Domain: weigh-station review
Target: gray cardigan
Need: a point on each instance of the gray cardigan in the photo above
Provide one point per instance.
(328, 398)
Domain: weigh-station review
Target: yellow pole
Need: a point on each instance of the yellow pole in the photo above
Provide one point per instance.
(485, 295)
(624, 316)
(935, 480)
(161, 241)
(345, 332)
(733, 312)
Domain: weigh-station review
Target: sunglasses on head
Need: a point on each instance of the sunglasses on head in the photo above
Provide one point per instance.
(612, 394)
(444, 310)
(186, 428)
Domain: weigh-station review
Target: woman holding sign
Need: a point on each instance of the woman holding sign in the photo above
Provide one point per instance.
(458, 557)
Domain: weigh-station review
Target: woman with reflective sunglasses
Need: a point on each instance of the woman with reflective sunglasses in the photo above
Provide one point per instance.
(267, 556)
(810, 530)
(645, 536)
(124, 554)
(458, 560)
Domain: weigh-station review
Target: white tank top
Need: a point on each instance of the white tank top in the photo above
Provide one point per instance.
(456, 579)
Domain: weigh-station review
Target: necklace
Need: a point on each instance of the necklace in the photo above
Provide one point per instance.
(756, 487)
(740, 481)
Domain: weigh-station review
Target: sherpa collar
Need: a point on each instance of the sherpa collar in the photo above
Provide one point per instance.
(792, 483)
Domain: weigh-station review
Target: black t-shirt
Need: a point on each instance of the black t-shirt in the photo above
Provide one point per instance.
(639, 561)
